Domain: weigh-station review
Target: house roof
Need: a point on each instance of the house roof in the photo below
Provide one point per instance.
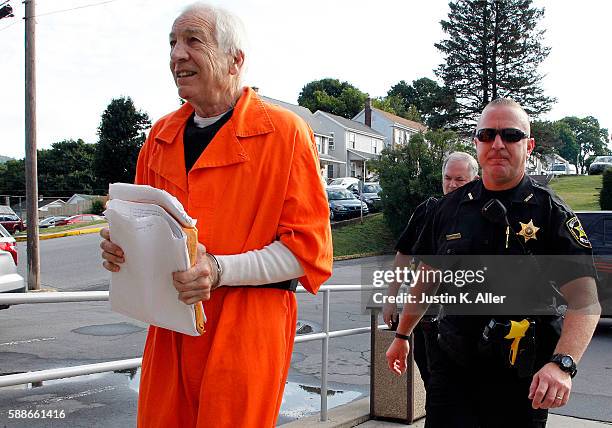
(352, 124)
(5, 209)
(302, 112)
(329, 158)
(364, 155)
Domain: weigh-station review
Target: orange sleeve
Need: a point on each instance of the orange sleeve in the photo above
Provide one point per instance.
(304, 223)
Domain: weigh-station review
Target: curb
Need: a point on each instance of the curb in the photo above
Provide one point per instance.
(344, 416)
(62, 234)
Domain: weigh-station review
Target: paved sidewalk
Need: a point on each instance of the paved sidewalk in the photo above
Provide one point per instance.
(356, 414)
(554, 421)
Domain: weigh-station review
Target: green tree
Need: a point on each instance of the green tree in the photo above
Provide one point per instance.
(435, 104)
(12, 177)
(589, 137)
(332, 96)
(408, 175)
(121, 134)
(492, 50)
(67, 168)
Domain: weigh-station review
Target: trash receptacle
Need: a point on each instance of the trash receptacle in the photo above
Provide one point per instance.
(392, 397)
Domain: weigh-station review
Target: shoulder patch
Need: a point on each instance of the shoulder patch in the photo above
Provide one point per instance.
(575, 228)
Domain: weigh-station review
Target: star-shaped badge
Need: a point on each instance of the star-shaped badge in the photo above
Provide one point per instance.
(528, 230)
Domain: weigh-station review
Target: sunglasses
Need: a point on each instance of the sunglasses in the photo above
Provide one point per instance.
(508, 135)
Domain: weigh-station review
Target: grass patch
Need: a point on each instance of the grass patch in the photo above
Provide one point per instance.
(371, 236)
(580, 192)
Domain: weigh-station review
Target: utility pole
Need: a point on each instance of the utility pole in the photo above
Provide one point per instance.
(30, 142)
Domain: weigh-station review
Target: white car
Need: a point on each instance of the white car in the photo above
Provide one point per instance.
(344, 182)
(562, 169)
(10, 280)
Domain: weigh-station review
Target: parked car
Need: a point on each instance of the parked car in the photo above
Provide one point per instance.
(344, 182)
(51, 221)
(370, 194)
(79, 218)
(12, 223)
(343, 204)
(10, 280)
(600, 164)
(598, 227)
(562, 169)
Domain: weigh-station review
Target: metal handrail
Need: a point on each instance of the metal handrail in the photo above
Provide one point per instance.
(89, 296)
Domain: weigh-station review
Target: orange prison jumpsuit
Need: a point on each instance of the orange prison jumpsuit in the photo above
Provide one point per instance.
(256, 182)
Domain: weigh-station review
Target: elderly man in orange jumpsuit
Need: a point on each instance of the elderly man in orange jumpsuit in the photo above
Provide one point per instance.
(248, 172)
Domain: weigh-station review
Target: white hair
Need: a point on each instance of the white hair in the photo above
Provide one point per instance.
(230, 33)
(464, 157)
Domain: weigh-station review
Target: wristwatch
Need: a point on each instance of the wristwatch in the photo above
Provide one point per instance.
(565, 363)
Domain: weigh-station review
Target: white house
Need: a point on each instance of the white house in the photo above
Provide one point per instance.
(395, 129)
(352, 142)
(322, 138)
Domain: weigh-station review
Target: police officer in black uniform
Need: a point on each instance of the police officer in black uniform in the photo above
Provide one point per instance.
(505, 213)
(458, 169)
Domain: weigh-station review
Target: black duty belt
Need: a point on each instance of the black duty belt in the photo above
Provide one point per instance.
(289, 285)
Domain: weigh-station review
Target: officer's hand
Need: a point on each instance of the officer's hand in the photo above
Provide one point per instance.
(397, 355)
(389, 309)
(550, 387)
(111, 253)
(195, 283)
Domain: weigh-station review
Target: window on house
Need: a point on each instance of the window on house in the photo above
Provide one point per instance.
(351, 139)
(374, 146)
(318, 141)
(331, 141)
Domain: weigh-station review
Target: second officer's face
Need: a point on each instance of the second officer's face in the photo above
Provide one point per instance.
(503, 163)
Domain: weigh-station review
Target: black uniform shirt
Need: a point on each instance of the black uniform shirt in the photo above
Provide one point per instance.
(414, 227)
(457, 227)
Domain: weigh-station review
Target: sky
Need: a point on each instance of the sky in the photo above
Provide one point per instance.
(90, 55)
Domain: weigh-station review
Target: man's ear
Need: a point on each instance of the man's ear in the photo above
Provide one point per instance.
(236, 63)
(530, 145)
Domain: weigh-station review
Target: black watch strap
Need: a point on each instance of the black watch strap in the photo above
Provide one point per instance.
(565, 363)
(402, 336)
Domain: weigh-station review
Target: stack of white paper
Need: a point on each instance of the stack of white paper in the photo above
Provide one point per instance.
(155, 245)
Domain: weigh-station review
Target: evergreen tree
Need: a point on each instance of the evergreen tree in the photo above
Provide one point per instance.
(121, 133)
(492, 50)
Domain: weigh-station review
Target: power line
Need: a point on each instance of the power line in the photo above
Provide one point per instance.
(74, 8)
(10, 25)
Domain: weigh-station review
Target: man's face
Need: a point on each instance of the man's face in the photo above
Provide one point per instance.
(503, 163)
(199, 68)
(456, 174)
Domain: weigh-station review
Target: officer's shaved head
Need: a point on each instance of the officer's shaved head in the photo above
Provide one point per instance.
(508, 102)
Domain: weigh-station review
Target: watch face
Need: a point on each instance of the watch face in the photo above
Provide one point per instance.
(566, 361)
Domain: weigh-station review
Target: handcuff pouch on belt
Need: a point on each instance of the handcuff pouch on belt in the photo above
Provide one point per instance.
(510, 344)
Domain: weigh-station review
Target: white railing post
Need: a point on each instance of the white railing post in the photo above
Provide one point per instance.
(324, 355)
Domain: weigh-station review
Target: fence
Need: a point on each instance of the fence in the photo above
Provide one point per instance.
(89, 296)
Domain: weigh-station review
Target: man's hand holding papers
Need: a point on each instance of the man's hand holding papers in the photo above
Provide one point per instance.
(195, 284)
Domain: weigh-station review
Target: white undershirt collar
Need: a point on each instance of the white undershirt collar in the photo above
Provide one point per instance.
(203, 122)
